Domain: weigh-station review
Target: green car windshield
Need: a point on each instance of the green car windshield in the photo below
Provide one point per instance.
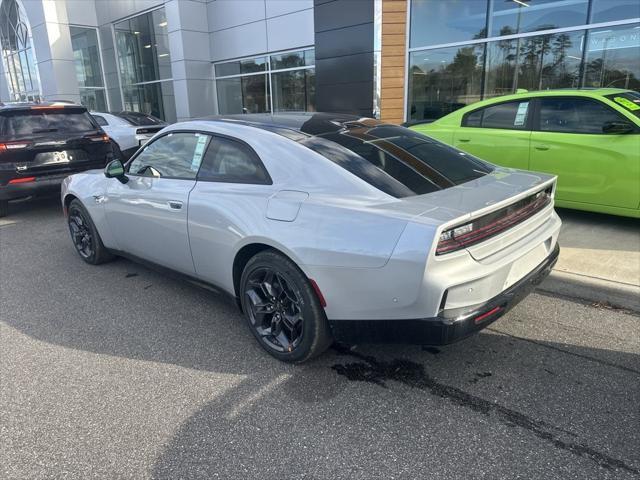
(630, 101)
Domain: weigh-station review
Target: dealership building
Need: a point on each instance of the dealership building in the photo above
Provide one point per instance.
(395, 59)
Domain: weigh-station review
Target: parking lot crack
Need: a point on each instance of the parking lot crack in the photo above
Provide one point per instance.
(412, 374)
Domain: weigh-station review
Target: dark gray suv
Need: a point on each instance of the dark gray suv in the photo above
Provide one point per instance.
(41, 144)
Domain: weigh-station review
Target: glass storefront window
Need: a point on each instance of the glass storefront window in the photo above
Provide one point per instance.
(613, 57)
(84, 42)
(443, 80)
(447, 21)
(610, 10)
(143, 48)
(310, 57)
(94, 99)
(142, 44)
(292, 60)
(293, 91)
(155, 99)
(86, 53)
(511, 16)
(248, 94)
(239, 67)
(288, 83)
(534, 63)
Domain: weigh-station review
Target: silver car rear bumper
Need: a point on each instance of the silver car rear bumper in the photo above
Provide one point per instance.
(449, 325)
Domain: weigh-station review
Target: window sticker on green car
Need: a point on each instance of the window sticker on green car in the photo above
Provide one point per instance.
(521, 114)
(507, 115)
(628, 100)
(627, 103)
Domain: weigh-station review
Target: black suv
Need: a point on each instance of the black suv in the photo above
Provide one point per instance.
(41, 144)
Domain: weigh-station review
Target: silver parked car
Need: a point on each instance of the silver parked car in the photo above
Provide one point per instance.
(128, 131)
(325, 227)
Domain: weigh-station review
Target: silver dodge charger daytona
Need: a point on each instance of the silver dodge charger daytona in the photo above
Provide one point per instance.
(324, 227)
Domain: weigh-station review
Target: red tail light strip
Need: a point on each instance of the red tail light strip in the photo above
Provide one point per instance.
(531, 206)
(22, 180)
(13, 146)
(98, 138)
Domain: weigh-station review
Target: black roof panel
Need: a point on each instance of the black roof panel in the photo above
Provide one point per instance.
(305, 123)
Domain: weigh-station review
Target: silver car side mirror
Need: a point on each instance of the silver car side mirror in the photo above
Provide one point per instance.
(115, 169)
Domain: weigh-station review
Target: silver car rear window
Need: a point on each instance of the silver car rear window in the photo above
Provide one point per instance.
(396, 160)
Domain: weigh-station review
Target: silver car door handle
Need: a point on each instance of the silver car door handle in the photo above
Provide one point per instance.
(175, 205)
(542, 147)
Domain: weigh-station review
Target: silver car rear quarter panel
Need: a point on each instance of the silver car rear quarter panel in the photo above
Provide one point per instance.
(413, 281)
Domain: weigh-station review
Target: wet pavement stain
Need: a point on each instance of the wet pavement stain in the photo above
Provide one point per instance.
(371, 370)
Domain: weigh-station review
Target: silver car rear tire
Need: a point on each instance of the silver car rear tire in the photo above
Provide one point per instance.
(282, 308)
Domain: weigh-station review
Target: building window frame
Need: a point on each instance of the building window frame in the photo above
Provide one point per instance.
(268, 71)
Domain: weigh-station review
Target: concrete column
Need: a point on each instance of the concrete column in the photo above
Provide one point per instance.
(191, 66)
(52, 45)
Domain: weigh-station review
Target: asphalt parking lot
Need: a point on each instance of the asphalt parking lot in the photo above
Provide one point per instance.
(121, 372)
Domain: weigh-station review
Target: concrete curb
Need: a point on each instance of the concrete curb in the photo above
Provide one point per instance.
(593, 289)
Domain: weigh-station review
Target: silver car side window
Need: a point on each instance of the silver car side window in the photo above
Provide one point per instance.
(232, 161)
(175, 155)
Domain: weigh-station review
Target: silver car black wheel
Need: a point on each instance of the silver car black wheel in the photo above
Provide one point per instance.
(274, 309)
(84, 235)
(81, 233)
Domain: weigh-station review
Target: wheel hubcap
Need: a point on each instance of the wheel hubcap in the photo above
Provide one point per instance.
(274, 309)
(80, 234)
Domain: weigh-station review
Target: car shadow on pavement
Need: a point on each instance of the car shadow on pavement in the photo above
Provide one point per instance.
(383, 412)
(33, 206)
(371, 412)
